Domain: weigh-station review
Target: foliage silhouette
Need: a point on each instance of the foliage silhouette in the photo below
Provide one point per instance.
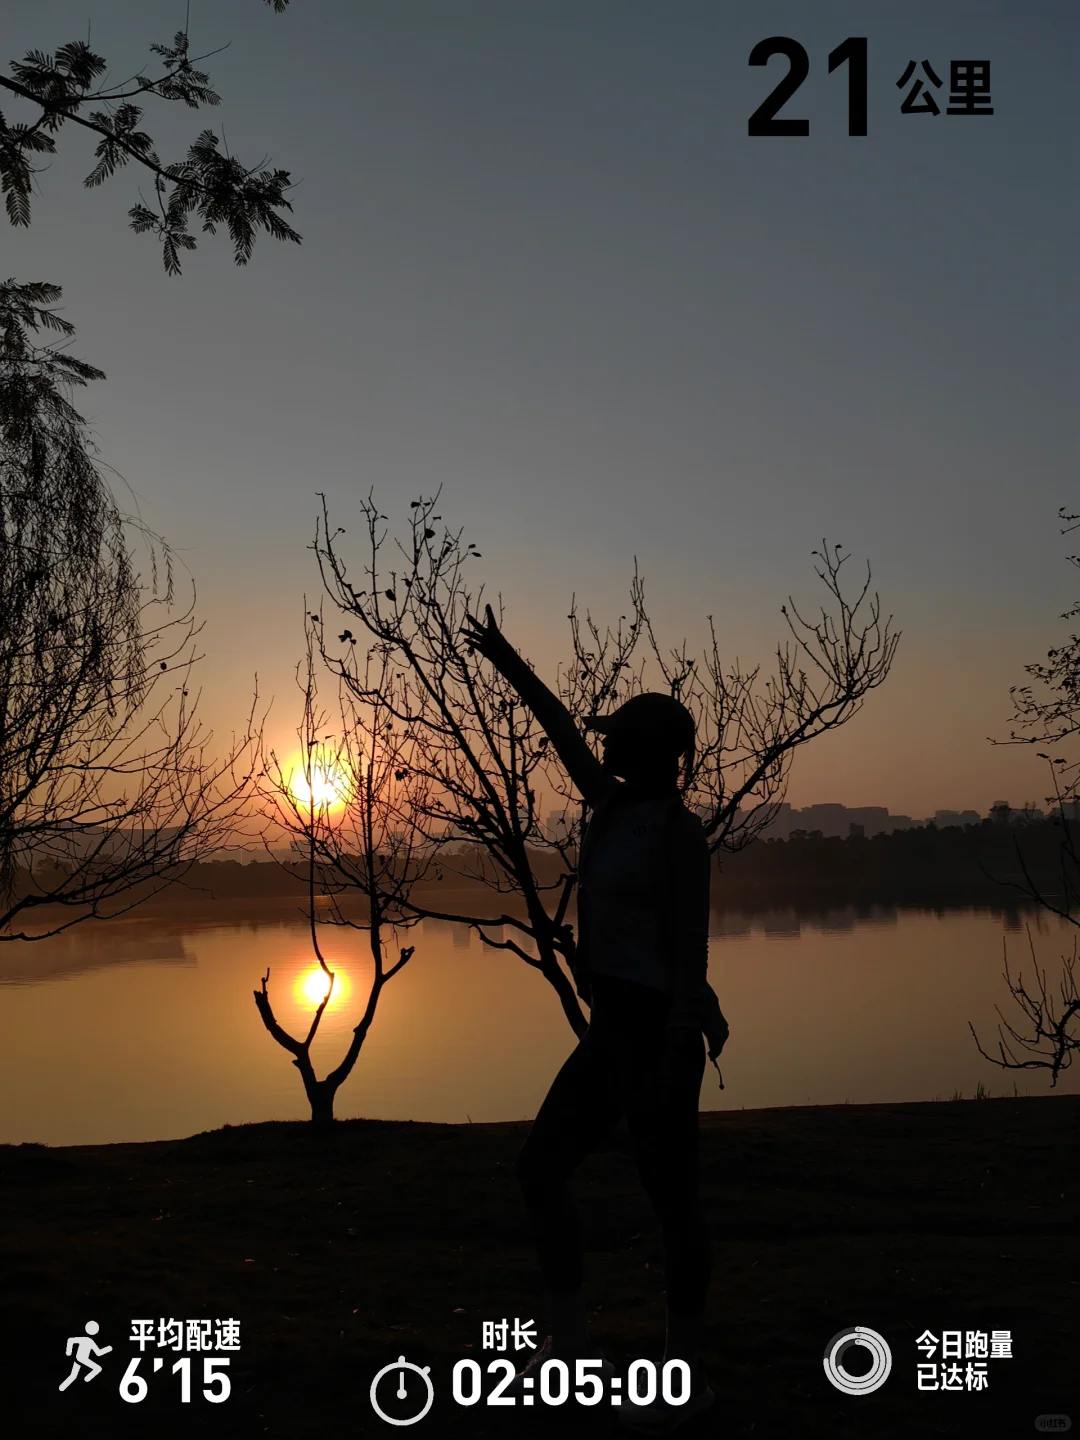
(102, 799)
(215, 187)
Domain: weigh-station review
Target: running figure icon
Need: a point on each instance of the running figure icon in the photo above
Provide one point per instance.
(83, 1345)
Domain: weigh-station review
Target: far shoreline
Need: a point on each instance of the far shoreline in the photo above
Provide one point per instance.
(825, 1108)
(173, 905)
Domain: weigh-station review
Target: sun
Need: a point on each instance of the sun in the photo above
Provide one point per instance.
(329, 788)
(312, 984)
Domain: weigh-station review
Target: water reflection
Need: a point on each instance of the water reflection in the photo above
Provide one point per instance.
(148, 936)
(311, 985)
(140, 1029)
(729, 924)
(782, 922)
(90, 946)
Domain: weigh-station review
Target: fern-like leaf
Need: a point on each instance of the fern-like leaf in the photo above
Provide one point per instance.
(110, 155)
(142, 219)
(17, 203)
(216, 187)
(172, 239)
(55, 322)
(22, 137)
(79, 62)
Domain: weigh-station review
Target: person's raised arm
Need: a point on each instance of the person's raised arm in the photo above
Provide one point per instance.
(590, 777)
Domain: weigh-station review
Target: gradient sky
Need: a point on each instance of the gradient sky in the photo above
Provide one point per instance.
(545, 266)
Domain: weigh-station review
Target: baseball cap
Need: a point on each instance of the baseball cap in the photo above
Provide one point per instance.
(651, 713)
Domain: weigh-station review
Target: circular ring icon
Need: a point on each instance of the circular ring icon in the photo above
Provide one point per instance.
(402, 1364)
(878, 1373)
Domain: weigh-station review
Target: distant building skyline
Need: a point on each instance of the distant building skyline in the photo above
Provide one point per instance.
(834, 819)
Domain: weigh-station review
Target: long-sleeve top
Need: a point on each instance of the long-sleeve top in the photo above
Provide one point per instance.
(643, 898)
(675, 874)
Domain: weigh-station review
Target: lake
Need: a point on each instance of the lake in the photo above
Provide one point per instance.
(144, 1028)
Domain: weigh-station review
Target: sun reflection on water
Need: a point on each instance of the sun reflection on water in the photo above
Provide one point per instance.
(311, 985)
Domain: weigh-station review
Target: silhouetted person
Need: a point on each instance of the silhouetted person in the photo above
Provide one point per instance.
(642, 957)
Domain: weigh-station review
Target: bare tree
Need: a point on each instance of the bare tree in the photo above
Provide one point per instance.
(1047, 1037)
(1046, 711)
(748, 728)
(106, 791)
(484, 755)
(349, 806)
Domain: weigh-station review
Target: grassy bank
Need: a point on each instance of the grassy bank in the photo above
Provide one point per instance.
(338, 1254)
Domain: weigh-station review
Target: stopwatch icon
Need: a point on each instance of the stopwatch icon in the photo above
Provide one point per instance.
(402, 1364)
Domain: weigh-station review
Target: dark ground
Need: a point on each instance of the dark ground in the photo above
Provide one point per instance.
(958, 1215)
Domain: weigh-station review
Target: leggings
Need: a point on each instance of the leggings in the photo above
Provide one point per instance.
(625, 1064)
